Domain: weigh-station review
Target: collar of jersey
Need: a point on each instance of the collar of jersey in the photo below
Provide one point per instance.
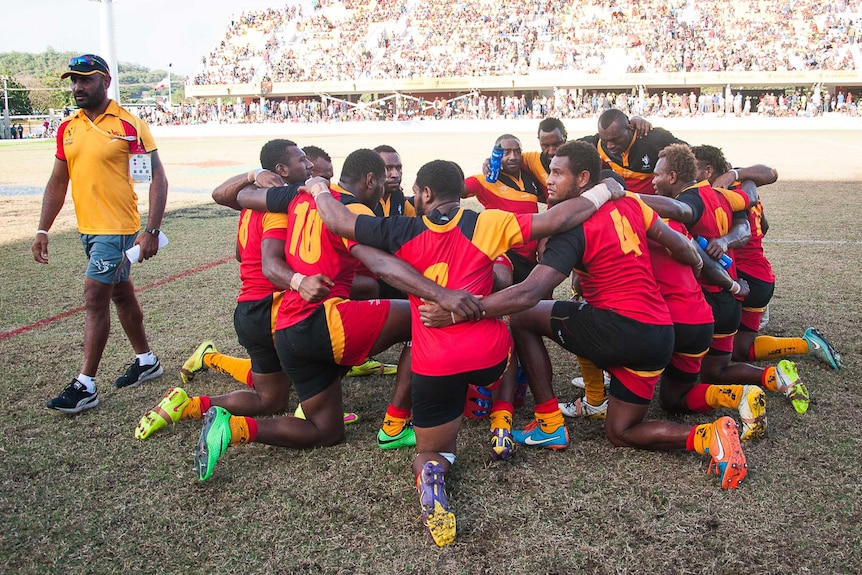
(447, 226)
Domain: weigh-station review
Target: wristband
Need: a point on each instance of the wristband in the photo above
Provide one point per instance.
(253, 174)
(699, 265)
(296, 281)
(43, 232)
(314, 193)
(735, 288)
(452, 313)
(598, 195)
(735, 175)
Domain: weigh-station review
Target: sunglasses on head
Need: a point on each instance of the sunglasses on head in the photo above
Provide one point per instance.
(87, 60)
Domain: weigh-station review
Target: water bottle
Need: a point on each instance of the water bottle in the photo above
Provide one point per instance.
(724, 260)
(495, 164)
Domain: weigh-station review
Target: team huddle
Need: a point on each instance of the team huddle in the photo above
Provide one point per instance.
(670, 286)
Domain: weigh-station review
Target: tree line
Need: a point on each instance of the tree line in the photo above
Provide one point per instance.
(34, 85)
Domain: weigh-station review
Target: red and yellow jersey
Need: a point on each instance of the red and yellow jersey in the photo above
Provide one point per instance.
(310, 248)
(254, 227)
(678, 285)
(517, 196)
(750, 258)
(609, 252)
(637, 164)
(395, 205)
(459, 254)
(539, 166)
(97, 158)
(713, 215)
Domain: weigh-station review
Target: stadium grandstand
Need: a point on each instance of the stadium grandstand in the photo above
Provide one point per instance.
(384, 59)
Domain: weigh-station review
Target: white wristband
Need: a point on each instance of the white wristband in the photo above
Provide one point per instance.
(598, 195)
(319, 191)
(43, 232)
(735, 175)
(735, 288)
(296, 281)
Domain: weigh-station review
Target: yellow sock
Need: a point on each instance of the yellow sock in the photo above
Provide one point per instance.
(192, 410)
(392, 426)
(767, 347)
(501, 419)
(550, 422)
(769, 380)
(239, 431)
(703, 438)
(236, 367)
(724, 396)
(594, 382)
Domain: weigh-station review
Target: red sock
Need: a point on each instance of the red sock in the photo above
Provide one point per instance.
(249, 380)
(549, 406)
(689, 443)
(252, 429)
(398, 412)
(205, 403)
(502, 405)
(696, 399)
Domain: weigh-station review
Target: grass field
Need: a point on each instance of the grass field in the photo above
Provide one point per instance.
(82, 495)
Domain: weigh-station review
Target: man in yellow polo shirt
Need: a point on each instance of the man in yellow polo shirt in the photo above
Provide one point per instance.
(104, 150)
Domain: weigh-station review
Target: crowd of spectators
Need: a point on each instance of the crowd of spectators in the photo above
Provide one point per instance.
(562, 103)
(373, 39)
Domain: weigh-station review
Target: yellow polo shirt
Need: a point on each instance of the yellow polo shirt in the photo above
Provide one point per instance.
(98, 164)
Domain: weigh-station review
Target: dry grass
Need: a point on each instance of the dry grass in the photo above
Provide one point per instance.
(81, 495)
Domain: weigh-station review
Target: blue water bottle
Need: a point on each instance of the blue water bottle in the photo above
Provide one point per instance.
(495, 164)
(724, 260)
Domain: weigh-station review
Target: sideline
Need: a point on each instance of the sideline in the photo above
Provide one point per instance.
(68, 313)
(587, 125)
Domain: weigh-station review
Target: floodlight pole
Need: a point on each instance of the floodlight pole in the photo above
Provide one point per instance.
(6, 124)
(170, 100)
(109, 53)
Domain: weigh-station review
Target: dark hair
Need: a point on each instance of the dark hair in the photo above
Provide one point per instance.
(444, 178)
(550, 124)
(711, 156)
(385, 149)
(361, 162)
(313, 152)
(582, 156)
(612, 116)
(679, 159)
(273, 152)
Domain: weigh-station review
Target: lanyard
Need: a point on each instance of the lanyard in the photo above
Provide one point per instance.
(110, 135)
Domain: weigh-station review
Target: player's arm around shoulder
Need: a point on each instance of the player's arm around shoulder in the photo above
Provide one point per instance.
(669, 208)
(340, 219)
(680, 247)
(575, 211)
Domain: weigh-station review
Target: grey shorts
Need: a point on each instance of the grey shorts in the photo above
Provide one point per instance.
(108, 263)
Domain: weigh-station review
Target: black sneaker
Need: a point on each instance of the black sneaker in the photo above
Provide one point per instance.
(138, 374)
(74, 399)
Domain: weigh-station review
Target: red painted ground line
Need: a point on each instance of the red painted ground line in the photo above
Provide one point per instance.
(71, 312)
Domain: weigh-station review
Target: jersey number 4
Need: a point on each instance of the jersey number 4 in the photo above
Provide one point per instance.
(629, 240)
